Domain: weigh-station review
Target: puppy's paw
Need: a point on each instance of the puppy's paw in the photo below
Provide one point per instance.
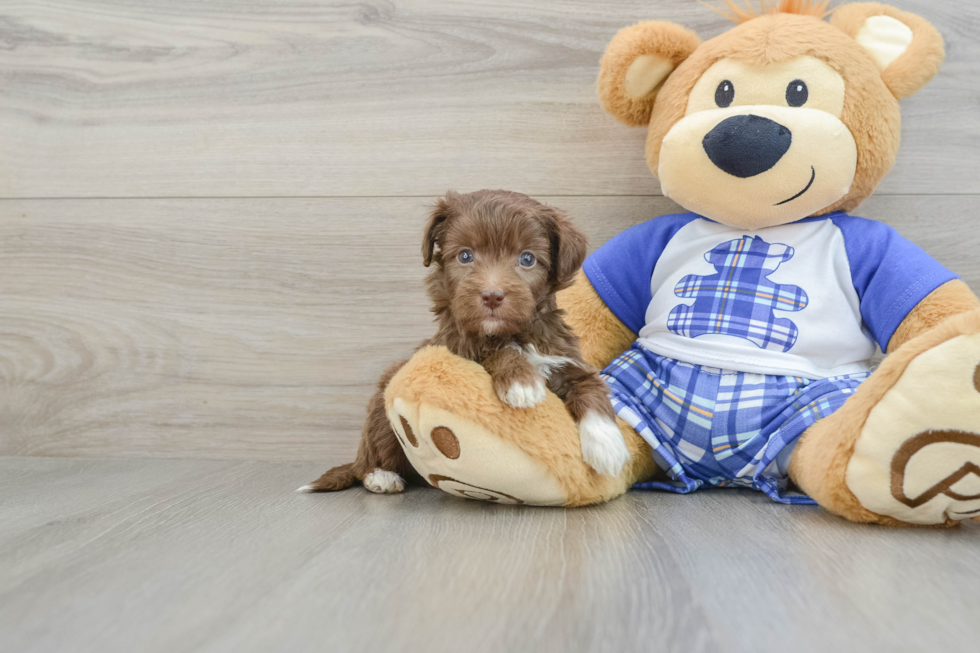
(381, 482)
(603, 447)
(522, 395)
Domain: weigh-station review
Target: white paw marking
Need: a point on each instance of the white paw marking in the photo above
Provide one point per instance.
(603, 447)
(525, 396)
(544, 364)
(381, 482)
(305, 489)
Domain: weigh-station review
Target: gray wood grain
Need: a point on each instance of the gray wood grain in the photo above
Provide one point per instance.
(251, 329)
(122, 98)
(213, 556)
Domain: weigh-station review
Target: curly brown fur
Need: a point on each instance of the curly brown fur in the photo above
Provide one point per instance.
(492, 309)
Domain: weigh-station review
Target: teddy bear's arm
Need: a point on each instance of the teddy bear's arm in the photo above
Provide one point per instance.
(951, 298)
(601, 334)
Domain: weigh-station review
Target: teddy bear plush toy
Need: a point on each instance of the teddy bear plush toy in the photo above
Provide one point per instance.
(737, 338)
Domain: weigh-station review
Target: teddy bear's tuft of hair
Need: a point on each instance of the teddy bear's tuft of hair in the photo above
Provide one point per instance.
(739, 14)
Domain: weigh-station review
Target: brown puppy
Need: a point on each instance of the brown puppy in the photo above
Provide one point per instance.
(499, 258)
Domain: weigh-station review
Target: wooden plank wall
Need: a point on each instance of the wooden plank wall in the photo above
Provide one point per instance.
(210, 213)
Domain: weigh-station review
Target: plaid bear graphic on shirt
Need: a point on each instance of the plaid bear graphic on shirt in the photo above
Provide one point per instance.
(739, 299)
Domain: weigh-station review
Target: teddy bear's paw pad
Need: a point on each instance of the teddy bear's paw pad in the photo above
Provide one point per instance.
(407, 434)
(465, 459)
(467, 491)
(918, 457)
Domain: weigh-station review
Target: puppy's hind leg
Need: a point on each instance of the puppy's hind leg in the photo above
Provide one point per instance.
(381, 464)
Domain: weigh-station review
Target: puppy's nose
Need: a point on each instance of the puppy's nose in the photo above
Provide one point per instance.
(746, 146)
(492, 298)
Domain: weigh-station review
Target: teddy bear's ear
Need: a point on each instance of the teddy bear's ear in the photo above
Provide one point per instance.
(907, 49)
(636, 63)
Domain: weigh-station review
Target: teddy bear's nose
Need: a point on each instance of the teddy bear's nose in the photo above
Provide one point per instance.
(745, 146)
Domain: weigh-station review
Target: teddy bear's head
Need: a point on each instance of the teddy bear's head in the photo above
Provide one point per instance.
(782, 117)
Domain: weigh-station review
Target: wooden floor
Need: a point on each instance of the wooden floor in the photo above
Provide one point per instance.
(168, 555)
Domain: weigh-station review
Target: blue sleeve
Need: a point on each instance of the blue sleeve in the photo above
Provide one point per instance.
(620, 270)
(891, 274)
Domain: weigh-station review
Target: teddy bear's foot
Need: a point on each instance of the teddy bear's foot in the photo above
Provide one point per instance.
(916, 458)
(461, 438)
(460, 457)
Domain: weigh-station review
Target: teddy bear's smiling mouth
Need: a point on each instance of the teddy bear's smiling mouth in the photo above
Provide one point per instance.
(813, 176)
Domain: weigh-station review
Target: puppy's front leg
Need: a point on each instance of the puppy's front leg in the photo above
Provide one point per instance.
(515, 381)
(587, 401)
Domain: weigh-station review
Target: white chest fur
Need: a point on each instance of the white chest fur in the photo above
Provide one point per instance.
(544, 364)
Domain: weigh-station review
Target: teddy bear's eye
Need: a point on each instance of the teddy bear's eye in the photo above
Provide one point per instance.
(797, 93)
(725, 94)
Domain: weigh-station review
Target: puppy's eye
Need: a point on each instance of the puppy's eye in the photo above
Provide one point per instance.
(797, 93)
(527, 260)
(465, 257)
(725, 94)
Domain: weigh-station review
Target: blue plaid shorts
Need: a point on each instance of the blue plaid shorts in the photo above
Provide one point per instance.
(718, 427)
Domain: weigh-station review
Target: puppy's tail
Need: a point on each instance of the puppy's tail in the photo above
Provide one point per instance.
(338, 478)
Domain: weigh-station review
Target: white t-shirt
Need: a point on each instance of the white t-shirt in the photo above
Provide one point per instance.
(808, 299)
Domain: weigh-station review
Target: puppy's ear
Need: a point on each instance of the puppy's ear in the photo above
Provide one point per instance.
(435, 231)
(906, 48)
(637, 62)
(568, 246)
